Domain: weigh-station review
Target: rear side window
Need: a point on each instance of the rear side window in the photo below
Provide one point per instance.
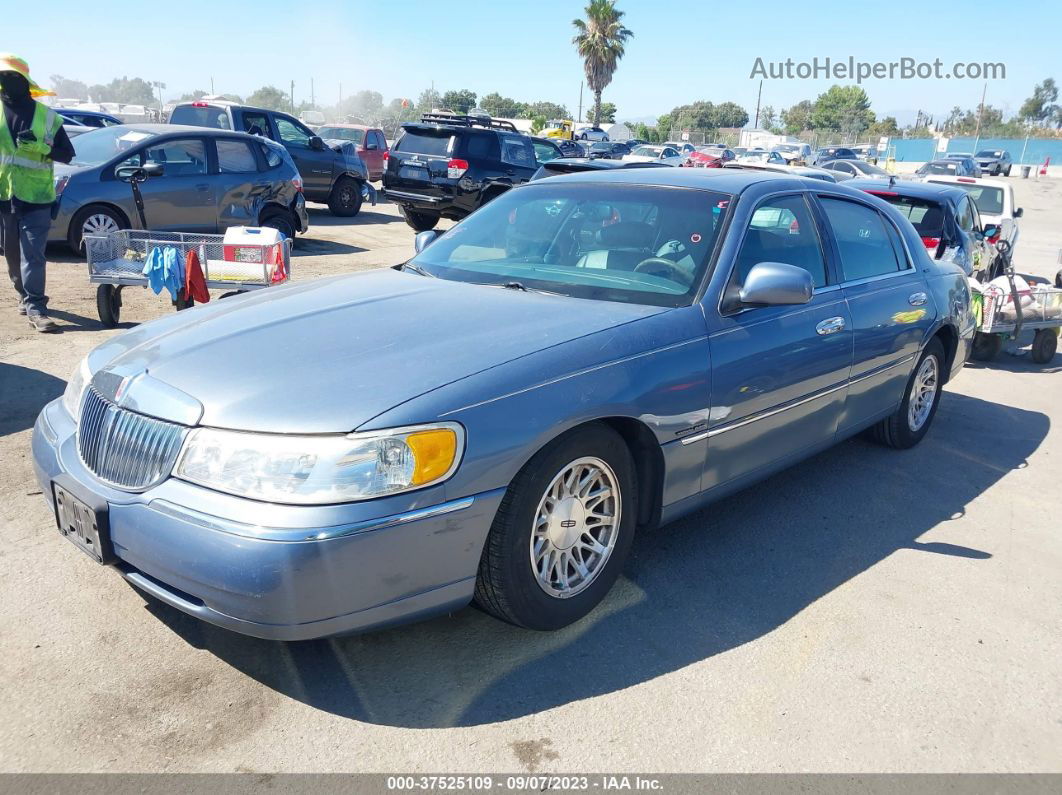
(481, 146)
(236, 157)
(926, 216)
(516, 150)
(218, 118)
(272, 156)
(862, 240)
(424, 143)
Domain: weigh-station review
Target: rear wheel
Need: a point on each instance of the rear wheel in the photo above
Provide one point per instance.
(1045, 343)
(96, 219)
(911, 421)
(562, 532)
(345, 198)
(986, 347)
(1008, 170)
(280, 220)
(420, 222)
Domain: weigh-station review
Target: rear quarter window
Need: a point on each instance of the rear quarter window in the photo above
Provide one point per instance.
(424, 143)
(218, 118)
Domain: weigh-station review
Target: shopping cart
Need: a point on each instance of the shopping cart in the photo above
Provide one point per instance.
(116, 260)
(1006, 315)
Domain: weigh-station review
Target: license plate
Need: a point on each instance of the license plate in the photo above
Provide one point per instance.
(81, 524)
(413, 172)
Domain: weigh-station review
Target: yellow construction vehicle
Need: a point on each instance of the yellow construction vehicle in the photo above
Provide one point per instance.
(559, 128)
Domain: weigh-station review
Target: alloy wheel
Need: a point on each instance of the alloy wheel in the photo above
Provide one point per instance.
(575, 527)
(923, 393)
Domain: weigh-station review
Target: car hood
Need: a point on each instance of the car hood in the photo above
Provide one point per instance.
(328, 355)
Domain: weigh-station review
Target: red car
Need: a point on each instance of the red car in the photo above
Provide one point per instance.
(370, 141)
(709, 157)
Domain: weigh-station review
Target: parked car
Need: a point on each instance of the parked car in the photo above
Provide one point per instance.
(994, 162)
(709, 157)
(591, 134)
(87, 118)
(570, 148)
(994, 200)
(683, 147)
(967, 160)
(761, 156)
(446, 166)
(654, 153)
(847, 169)
(948, 167)
(793, 153)
(369, 143)
(610, 150)
(572, 165)
(946, 218)
(828, 153)
(546, 149)
(811, 172)
(198, 180)
(867, 152)
(638, 367)
(334, 174)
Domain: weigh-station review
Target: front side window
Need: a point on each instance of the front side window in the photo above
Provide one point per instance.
(256, 124)
(236, 157)
(292, 134)
(782, 230)
(515, 151)
(342, 134)
(862, 240)
(544, 152)
(623, 243)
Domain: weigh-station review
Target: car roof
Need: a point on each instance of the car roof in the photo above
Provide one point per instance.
(992, 183)
(342, 125)
(223, 103)
(915, 190)
(84, 112)
(723, 180)
(183, 129)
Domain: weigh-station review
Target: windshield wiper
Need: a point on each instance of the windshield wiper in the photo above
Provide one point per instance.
(516, 286)
(410, 266)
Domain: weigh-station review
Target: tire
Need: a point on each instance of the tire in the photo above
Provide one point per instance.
(184, 303)
(109, 304)
(93, 219)
(345, 198)
(1044, 346)
(1008, 170)
(986, 347)
(280, 220)
(507, 585)
(910, 423)
(1058, 279)
(420, 222)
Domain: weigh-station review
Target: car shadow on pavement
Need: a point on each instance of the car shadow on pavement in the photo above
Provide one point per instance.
(23, 393)
(312, 247)
(711, 582)
(321, 216)
(1022, 363)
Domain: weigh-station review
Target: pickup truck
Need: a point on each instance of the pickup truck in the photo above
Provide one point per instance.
(995, 203)
(334, 174)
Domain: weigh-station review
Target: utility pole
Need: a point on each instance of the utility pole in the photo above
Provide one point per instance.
(980, 113)
(292, 97)
(211, 86)
(759, 93)
(341, 102)
(580, 102)
(313, 101)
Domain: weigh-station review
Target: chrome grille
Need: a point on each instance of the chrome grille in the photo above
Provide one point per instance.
(123, 448)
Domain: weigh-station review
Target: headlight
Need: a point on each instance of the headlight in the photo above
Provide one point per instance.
(75, 388)
(317, 470)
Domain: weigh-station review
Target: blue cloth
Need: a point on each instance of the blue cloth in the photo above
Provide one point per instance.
(165, 269)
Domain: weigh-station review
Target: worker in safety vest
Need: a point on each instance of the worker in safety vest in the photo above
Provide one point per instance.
(31, 140)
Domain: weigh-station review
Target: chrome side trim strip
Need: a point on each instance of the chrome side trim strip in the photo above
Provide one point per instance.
(880, 370)
(696, 437)
(772, 412)
(299, 534)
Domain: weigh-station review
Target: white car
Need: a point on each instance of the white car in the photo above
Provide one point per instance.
(754, 157)
(995, 203)
(656, 154)
(591, 134)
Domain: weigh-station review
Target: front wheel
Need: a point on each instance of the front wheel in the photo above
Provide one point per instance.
(96, 219)
(562, 532)
(345, 198)
(911, 421)
(420, 222)
(109, 304)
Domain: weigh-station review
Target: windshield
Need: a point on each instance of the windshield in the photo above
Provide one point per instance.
(939, 168)
(989, 200)
(342, 133)
(101, 144)
(609, 242)
(870, 168)
(601, 147)
(990, 153)
(201, 116)
(647, 151)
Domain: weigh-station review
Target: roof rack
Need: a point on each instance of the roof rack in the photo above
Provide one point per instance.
(461, 120)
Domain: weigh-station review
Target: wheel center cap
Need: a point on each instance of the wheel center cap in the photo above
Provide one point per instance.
(567, 522)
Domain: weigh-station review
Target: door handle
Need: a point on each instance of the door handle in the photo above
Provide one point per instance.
(830, 326)
(917, 299)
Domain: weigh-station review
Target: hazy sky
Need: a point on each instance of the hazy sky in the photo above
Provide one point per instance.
(681, 51)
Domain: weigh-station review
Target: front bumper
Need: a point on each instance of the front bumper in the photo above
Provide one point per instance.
(315, 572)
(302, 217)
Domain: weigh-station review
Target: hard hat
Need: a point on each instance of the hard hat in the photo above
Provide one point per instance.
(9, 62)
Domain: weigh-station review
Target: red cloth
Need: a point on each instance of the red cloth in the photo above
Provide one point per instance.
(194, 283)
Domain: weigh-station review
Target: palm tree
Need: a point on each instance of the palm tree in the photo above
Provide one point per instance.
(600, 41)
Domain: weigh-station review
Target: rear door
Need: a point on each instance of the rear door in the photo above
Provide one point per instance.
(241, 188)
(888, 301)
(517, 157)
(315, 165)
(418, 162)
(779, 373)
(183, 198)
(373, 153)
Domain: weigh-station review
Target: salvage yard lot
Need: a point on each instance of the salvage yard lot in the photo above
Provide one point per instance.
(868, 610)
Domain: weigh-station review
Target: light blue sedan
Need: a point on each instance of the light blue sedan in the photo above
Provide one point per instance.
(585, 357)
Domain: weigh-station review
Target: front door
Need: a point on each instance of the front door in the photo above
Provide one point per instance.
(315, 165)
(182, 199)
(779, 373)
(891, 309)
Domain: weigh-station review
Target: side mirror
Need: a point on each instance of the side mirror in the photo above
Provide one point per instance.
(153, 169)
(776, 284)
(990, 230)
(1018, 212)
(130, 173)
(316, 142)
(425, 239)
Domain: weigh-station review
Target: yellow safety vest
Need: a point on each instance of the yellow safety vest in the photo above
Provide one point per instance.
(26, 169)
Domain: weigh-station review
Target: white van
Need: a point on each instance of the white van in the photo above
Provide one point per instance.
(995, 203)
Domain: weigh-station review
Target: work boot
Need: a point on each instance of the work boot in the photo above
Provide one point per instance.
(42, 322)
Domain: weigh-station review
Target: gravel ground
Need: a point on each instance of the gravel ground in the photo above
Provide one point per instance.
(865, 611)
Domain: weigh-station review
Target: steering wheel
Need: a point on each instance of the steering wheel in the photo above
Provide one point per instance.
(654, 265)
